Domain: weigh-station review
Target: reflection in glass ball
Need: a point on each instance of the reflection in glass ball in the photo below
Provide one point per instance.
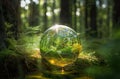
(59, 45)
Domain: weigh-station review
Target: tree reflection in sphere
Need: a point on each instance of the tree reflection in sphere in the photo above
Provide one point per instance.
(59, 45)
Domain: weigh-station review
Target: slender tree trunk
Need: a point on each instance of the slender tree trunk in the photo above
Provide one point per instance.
(116, 14)
(81, 18)
(108, 19)
(2, 28)
(75, 17)
(86, 18)
(66, 13)
(45, 20)
(53, 8)
(90, 18)
(108, 14)
(100, 20)
(93, 16)
(34, 14)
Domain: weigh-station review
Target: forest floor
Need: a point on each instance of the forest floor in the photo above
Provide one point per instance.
(79, 69)
(22, 59)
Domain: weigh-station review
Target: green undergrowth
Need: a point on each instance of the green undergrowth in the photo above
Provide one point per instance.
(22, 57)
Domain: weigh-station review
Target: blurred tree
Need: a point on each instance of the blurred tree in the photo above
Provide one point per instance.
(116, 13)
(90, 18)
(100, 18)
(109, 19)
(9, 21)
(104, 23)
(53, 13)
(11, 15)
(86, 18)
(74, 14)
(45, 19)
(93, 16)
(2, 29)
(86, 15)
(82, 18)
(34, 13)
(66, 12)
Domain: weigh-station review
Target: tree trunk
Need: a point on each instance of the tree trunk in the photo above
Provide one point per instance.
(2, 28)
(75, 16)
(66, 13)
(86, 18)
(34, 14)
(11, 15)
(45, 20)
(93, 16)
(53, 8)
(116, 14)
(108, 34)
(100, 19)
(9, 20)
(90, 18)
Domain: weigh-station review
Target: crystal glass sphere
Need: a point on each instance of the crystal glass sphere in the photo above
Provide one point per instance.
(59, 45)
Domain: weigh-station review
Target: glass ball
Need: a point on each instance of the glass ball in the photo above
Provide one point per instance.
(59, 45)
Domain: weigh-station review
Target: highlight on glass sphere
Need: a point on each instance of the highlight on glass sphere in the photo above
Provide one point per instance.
(60, 46)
